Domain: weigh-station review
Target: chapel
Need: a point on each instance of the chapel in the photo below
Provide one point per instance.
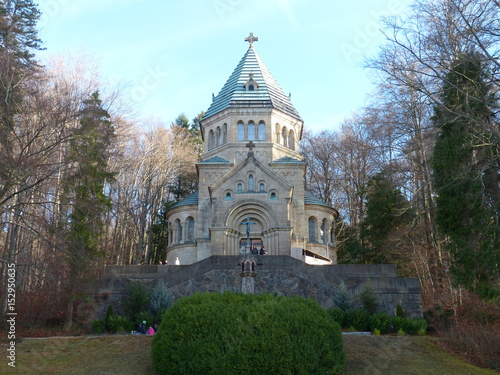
(251, 194)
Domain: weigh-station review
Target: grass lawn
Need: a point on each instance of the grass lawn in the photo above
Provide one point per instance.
(130, 355)
(401, 355)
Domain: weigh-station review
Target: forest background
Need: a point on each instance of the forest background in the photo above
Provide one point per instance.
(415, 174)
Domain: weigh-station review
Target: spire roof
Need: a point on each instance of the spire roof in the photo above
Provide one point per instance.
(251, 85)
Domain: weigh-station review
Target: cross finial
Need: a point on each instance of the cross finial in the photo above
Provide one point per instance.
(250, 145)
(251, 39)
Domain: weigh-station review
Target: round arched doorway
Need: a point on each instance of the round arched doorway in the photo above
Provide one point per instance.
(250, 228)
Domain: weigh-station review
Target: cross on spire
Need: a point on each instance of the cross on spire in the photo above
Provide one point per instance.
(251, 39)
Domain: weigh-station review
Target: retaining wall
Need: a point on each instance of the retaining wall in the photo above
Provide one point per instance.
(274, 274)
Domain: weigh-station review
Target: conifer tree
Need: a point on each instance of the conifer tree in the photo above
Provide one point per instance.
(18, 41)
(386, 210)
(466, 174)
(85, 187)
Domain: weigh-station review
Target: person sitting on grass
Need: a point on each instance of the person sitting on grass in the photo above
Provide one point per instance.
(142, 328)
(150, 331)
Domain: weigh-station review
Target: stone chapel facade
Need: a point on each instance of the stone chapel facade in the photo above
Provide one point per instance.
(251, 176)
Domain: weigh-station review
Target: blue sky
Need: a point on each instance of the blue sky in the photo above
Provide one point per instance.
(172, 55)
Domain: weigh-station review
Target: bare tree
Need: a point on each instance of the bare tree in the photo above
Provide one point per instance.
(149, 163)
(33, 169)
(422, 46)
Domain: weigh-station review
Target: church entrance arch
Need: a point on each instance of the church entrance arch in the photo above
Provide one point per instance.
(260, 223)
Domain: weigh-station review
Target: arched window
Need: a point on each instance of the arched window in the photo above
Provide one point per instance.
(251, 131)
(239, 188)
(220, 139)
(250, 183)
(170, 235)
(217, 136)
(278, 133)
(224, 133)
(251, 88)
(190, 229)
(262, 131)
(284, 137)
(261, 187)
(273, 195)
(228, 196)
(179, 231)
(241, 131)
(324, 228)
(312, 229)
(291, 140)
(211, 139)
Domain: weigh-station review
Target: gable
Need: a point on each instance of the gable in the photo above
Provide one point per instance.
(251, 163)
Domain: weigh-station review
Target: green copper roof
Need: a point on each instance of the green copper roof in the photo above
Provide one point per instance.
(288, 159)
(311, 199)
(215, 160)
(188, 201)
(268, 93)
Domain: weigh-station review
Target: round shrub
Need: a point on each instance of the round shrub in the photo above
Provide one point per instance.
(234, 333)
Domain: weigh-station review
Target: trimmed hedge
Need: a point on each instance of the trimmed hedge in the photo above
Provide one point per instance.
(234, 333)
(362, 320)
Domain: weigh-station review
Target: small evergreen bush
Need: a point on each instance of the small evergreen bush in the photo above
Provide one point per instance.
(109, 316)
(136, 300)
(380, 321)
(400, 323)
(368, 299)
(358, 318)
(362, 320)
(416, 327)
(98, 326)
(338, 316)
(160, 300)
(399, 311)
(117, 323)
(341, 297)
(234, 333)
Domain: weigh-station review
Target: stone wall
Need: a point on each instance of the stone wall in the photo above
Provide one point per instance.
(281, 274)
